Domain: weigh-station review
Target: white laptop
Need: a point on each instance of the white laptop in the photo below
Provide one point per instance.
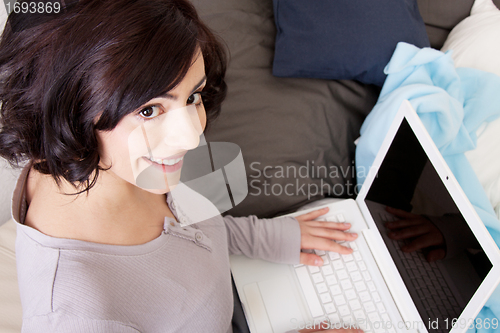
(379, 287)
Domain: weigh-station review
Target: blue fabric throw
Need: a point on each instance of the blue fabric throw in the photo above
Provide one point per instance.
(452, 103)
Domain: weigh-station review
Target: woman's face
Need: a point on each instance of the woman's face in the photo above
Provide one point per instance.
(147, 146)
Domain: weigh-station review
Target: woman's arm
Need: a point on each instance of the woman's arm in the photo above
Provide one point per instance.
(281, 239)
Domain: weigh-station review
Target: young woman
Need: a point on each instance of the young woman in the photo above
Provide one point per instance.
(96, 250)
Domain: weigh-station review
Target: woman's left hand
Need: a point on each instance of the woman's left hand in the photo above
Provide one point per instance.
(321, 235)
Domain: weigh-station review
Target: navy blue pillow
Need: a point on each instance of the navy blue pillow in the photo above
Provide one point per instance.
(343, 39)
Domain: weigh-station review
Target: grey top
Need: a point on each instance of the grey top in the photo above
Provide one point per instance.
(178, 282)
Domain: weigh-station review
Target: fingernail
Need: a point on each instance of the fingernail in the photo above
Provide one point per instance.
(318, 262)
(347, 224)
(354, 234)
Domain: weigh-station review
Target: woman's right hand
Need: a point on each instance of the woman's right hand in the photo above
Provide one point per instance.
(322, 235)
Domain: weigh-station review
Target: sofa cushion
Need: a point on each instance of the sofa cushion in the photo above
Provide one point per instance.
(302, 127)
(343, 39)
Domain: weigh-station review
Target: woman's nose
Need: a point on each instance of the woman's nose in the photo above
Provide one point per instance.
(183, 128)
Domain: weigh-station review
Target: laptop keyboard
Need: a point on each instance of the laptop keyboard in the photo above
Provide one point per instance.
(342, 290)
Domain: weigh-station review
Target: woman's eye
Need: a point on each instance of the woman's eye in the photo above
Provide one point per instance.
(194, 99)
(150, 112)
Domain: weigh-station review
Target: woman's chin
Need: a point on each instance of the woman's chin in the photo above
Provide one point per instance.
(159, 191)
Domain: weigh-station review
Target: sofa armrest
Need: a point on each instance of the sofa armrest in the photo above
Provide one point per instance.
(10, 302)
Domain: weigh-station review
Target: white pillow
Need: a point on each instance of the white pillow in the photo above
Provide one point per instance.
(476, 43)
(485, 160)
(476, 40)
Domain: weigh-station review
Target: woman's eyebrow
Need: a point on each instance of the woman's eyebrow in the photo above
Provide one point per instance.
(170, 96)
(199, 84)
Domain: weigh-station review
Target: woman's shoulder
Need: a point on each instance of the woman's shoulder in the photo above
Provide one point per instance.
(56, 211)
(45, 208)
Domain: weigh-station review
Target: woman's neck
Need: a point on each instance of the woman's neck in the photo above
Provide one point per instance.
(112, 212)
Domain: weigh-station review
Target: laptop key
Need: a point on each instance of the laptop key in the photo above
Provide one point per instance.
(351, 266)
(350, 294)
(359, 315)
(333, 255)
(355, 304)
(362, 265)
(347, 257)
(344, 310)
(356, 276)
(330, 308)
(364, 296)
(322, 288)
(313, 269)
(360, 286)
(381, 307)
(337, 264)
(339, 300)
(369, 307)
(331, 279)
(346, 284)
(327, 270)
(348, 321)
(325, 298)
(334, 318)
(335, 289)
(371, 285)
(374, 317)
(342, 274)
(317, 278)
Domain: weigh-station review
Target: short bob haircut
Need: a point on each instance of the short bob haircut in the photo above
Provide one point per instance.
(94, 60)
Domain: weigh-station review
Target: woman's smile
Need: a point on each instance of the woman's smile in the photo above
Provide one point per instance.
(166, 165)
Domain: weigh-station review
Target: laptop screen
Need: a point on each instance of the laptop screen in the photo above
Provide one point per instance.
(440, 260)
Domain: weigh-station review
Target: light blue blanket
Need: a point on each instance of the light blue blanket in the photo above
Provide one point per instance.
(452, 103)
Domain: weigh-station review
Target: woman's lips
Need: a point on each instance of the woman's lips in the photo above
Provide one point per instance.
(167, 168)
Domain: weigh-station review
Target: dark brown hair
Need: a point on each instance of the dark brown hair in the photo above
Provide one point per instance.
(94, 60)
